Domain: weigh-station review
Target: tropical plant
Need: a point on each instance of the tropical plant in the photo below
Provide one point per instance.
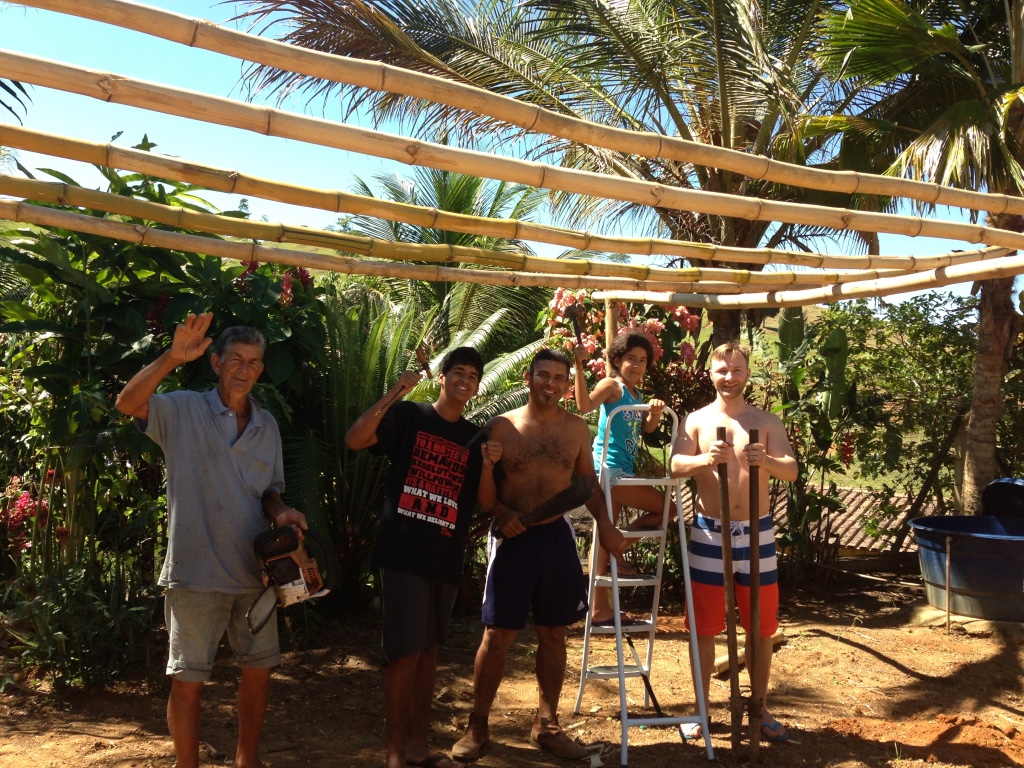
(13, 97)
(724, 72)
(460, 306)
(83, 315)
(942, 101)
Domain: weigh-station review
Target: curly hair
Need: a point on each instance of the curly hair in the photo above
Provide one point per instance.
(624, 342)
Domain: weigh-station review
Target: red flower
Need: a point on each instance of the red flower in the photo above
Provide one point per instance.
(286, 288)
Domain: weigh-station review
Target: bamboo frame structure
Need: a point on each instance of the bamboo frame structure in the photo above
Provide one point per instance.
(274, 122)
(13, 210)
(111, 155)
(60, 193)
(199, 33)
(851, 276)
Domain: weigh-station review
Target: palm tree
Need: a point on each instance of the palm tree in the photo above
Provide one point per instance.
(726, 72)
(944, 103)
(13, 97)
(461, 306)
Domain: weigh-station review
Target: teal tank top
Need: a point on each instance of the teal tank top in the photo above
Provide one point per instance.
(625, 432)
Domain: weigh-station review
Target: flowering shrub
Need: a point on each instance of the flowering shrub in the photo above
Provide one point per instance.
(673, 331)
(16, 516)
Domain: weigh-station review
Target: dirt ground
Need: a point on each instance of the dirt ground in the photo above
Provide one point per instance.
(857, 683)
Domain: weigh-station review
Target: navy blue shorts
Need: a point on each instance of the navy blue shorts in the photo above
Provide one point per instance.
(537, 570)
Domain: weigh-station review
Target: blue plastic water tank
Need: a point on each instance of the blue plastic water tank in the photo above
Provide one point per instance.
(986, 563)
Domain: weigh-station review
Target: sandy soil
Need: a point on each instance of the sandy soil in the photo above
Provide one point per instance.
(857, 682)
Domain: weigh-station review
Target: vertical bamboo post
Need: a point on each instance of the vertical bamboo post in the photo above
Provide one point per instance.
(754, 636)
(611, 330)
(735, 703)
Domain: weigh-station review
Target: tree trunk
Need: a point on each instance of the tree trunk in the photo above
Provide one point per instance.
(997, 329)
(725, 325)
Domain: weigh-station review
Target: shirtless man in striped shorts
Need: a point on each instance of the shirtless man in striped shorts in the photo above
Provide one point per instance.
(697, 454)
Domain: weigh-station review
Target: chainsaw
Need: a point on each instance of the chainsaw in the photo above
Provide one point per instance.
(290, 574)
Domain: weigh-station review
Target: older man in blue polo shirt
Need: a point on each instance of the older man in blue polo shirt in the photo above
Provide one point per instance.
(224, 484)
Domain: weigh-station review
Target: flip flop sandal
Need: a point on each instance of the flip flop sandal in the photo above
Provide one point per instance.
(774, 732)
(690, 731)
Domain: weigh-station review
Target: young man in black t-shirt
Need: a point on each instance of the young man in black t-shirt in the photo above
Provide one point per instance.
(437, 474)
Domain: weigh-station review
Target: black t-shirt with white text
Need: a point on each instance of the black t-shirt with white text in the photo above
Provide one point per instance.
(430, 492)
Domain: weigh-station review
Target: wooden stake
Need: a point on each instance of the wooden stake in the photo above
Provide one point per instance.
(754, 636)
(735, 702)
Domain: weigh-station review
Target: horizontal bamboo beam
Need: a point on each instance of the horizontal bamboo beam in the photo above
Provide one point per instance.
(111, 155)
(691, 295)
(1007, 266)
(60, 193)
(377, 76)
(274, 122)
(140, 234)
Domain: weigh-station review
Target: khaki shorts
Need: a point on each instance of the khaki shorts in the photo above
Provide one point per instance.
(196, 622)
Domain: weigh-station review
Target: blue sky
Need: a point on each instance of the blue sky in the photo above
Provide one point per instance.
(105, 47)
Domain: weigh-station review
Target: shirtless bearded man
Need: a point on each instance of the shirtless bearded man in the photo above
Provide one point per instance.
(537, 567)
(697, 454)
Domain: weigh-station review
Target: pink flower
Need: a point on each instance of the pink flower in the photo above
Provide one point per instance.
(304, 277)
(286, 289)
(687, 353)
(597, 367)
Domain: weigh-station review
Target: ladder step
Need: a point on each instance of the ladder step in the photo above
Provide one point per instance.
(650, 533)
(630, 581)
(608, 671)
(633, 722)
(643, 481)
(637, 627)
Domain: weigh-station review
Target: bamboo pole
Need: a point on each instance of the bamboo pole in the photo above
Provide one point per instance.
(1007, 266)
(60, 193)
(142, 235)
(137, 233)
(113, 156)
(383, 77)
(274, 122)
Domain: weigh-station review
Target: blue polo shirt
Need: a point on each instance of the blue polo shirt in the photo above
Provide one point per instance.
(215, 483)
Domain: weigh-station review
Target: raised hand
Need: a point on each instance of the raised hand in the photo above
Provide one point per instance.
(190, 341)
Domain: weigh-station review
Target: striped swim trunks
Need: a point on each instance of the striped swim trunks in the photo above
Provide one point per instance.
(706, 575)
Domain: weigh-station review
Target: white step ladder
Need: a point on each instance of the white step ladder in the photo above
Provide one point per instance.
(640, 667)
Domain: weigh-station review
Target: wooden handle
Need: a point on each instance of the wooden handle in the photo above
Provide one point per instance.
(735, 702)
(756, 697)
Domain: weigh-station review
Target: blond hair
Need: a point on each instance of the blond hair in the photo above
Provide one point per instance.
(730, 348)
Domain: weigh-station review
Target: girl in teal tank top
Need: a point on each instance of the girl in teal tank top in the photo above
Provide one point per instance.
(629, 354)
